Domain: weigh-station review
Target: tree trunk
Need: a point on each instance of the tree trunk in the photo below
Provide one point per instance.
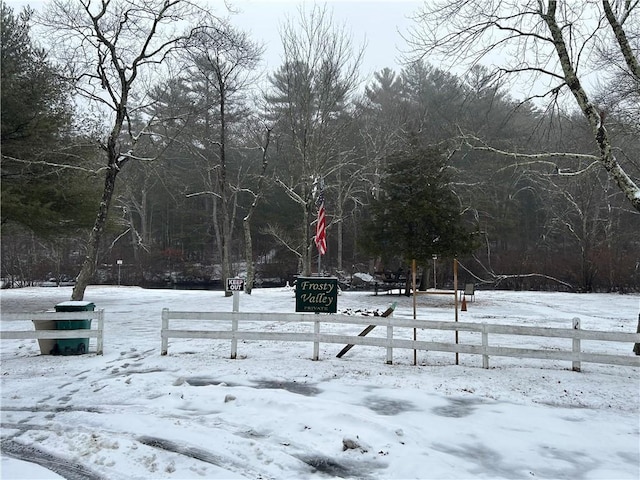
(222, 177)
(340, 244)
(225, 235)
(246, 222)
(424, 278)
(593, 116)
(91, 258)
(248, 254)
(339, 206)
(307, 252)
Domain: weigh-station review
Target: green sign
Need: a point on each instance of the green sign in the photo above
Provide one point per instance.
(317, 295)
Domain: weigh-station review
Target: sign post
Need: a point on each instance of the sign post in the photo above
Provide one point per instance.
(119, 263)
(235, 285)
(317, 295)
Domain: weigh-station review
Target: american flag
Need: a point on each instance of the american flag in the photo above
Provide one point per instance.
(321, 235)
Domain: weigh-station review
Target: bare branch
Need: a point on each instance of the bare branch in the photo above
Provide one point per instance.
(537, 37)
(282, 238)
(59, 166)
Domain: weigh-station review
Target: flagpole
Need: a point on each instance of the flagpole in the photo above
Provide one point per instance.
(320, 238)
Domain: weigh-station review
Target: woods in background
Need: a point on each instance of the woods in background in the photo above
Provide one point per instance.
(527, 193)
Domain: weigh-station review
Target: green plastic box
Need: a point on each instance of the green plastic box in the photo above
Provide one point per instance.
(73, 346)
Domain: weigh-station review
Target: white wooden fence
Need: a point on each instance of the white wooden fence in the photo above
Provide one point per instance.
(45, 326)
(575, 355)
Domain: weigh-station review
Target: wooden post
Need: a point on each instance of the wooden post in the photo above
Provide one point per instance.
(236, 301)
(576, 347)
(390, 339)
(100, 339)
(636, 347)
(363, 333)
(415, 334)
(316, 342)
(234, 325)
(234, 337)
(485, 346)
(165, 326)
(455, 294)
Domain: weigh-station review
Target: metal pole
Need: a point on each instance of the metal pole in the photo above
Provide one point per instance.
(435, 257)
(455, 294)
(119, 262)
(415, 336)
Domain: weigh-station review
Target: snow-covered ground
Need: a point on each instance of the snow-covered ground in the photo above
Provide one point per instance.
(274, 413)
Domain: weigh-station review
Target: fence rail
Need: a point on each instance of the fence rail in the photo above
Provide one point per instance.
(576, 355)
(45, 327)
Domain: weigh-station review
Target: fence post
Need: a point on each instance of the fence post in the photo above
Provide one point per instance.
(100, 338)
(485, 346)
(316, 343)
(163, 331)
(390, 340)
(234, 336)
(636, 346)
(576, 347)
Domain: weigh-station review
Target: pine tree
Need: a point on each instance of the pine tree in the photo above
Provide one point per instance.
(416, 214)
(43, 189)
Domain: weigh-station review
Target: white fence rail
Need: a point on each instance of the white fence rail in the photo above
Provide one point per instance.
(576, 355)
(45, 326)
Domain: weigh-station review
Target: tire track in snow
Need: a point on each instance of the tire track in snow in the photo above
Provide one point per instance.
(63, 467)
(223, 461)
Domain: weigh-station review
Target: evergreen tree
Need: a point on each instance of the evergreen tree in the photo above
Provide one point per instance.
(35, 109)
(43, 188)
(417, 214)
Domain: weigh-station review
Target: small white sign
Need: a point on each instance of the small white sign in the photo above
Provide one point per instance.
(235, 284)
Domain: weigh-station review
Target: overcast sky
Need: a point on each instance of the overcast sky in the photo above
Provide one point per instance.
(376, 23)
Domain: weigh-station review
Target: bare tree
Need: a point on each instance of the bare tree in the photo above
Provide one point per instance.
(108, 46)
(142, 181)
(222, 70)
(309, 92)
(256, 194)
(550, 43)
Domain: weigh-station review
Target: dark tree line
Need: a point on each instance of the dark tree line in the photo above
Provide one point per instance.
(212, 171)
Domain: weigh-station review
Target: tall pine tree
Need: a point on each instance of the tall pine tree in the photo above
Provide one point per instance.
(44, 187)
(416, 214)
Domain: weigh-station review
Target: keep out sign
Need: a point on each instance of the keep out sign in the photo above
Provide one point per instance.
(235, 284)
(317, 294)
